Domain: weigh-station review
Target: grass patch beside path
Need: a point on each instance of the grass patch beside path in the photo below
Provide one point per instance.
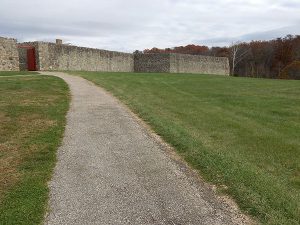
(12, 73)
(32, 120)
(239, 133)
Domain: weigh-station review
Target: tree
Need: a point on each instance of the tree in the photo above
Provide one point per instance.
(256, 58)
(291, 71)
(238, 51)
(137, 52)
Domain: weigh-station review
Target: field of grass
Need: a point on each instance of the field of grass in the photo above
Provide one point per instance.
(241, 134)
(32, 120)
(12, 73)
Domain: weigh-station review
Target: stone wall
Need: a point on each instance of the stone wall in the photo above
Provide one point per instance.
(183, 63)
(9, 56)
(52, 56)
(22, 58)
(180, 63)
(57, 56)
(23, 54)
(155, 63)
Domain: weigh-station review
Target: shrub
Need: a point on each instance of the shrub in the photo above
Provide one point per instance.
(291, 71)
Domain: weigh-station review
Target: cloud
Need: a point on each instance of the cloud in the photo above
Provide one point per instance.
(258, 36)
(139, 24)
(272, 34)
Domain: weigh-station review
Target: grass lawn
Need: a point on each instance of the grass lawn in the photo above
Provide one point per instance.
(32, 120)
(12, 73)
(241, 134)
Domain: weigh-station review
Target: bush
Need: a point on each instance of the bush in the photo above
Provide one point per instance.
(291, 71)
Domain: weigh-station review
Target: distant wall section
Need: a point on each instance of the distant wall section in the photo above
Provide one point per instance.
(183, 63)
(9, 56)
(180, 63)
(152, 63)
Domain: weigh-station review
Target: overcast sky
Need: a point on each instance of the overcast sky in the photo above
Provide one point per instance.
(127, 25)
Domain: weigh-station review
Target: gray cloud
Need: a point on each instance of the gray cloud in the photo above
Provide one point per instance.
(138, 24)
(259, 36)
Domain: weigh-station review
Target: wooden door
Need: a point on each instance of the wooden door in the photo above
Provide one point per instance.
(31, 63)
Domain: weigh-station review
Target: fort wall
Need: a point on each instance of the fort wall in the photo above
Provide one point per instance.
(180, 63)
(66, 57)
(9, 56)
(183, 63)
(152, 63)
(58, 56)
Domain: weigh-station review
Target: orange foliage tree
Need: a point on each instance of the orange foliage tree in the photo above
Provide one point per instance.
(291, 71)
(264, 58)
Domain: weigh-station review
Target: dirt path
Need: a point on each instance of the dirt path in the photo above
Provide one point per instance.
(110, 170)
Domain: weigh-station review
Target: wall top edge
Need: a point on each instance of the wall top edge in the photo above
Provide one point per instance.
(117, 52)
(181, 54)
(74, 46)
(201, 56)
(7, 38)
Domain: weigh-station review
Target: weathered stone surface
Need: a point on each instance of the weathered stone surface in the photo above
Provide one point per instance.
(51, 56)
(154, 62)
(9, 56)
(181, 63)
(22, 58)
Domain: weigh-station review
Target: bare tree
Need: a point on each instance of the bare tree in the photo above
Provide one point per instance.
(137, 52)
(237, 54)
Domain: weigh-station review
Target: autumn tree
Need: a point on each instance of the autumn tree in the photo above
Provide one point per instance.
(255, 59)
(238, 51)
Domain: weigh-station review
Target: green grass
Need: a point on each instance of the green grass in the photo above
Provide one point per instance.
(241, 134)
(12, 73)
(32, 120)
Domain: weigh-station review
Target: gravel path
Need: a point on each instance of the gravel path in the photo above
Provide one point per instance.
(112, 170)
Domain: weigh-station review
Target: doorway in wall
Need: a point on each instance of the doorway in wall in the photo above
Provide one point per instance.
(31, 63)
(27, 57)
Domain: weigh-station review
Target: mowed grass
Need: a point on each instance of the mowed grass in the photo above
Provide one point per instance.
(13, 73)
(241, 134)
(32, 120)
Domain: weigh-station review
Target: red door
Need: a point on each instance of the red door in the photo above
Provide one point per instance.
(31, 59)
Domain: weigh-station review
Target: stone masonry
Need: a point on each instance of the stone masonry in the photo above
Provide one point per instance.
(180, 63)
(22, 58)
(51, 56)
(59, 56)
(152, 63)
(9, 56)
(183, 63)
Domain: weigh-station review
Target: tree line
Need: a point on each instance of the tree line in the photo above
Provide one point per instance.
(278, 58)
